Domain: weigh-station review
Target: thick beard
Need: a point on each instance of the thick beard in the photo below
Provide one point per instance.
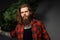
(26, 21)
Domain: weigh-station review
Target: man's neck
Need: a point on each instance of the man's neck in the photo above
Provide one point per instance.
(27, 26)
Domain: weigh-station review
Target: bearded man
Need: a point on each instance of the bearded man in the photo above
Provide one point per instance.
(29, 28)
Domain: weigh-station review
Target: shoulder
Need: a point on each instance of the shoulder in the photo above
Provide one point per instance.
(18, 25)
(38, 22)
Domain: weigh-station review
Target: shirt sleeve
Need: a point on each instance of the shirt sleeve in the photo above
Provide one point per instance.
(45, 35)
(12, 33)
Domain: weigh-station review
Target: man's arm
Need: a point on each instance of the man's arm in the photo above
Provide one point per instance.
(12, 33)
(44, 32)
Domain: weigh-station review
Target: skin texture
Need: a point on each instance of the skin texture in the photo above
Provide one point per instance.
(25, 13)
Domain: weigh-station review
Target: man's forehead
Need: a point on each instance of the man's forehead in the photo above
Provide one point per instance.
(24, 9)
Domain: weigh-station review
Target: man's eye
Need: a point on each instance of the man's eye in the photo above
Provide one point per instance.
(22, 12)
(26, 11)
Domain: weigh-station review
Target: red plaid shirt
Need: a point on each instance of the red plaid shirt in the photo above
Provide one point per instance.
(38, 31)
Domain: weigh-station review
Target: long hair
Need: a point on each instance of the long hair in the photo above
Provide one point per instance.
(19, 18)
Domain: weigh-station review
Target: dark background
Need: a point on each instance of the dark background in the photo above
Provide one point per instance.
(48, 11)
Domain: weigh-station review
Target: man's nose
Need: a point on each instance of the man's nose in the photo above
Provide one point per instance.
(24, 14)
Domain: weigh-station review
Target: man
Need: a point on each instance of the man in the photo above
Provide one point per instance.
(28, 28)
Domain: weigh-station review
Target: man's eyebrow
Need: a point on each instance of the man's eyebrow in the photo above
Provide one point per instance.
(21, 12)
(26, 11)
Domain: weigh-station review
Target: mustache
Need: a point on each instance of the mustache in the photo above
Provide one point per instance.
(26, 16)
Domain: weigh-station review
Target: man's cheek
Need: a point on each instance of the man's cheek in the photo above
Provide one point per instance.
(22, 15)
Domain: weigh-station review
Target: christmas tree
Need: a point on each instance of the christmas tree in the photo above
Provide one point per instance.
(8, 19)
